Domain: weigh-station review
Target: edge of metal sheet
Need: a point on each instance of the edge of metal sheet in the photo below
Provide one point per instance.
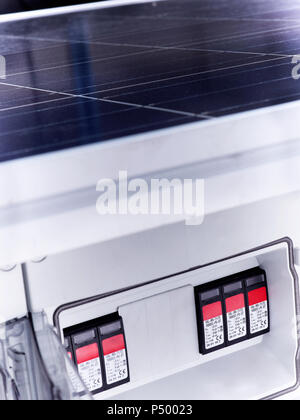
(12, 17)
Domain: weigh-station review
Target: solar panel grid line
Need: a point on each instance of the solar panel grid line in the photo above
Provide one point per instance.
(218, 69)
(158, 104)
(252, 35)
(30, 105)
(188, 76)
(75, 64)
(153, 48)
(183, 45)
(146, 52)
(232, 89)
(91, 97)
(247, 35)
(187, 48)
(198, 73)
(223, 68)
(69, 121)
(94, 41)
(178, 83)
(90, 42)
(134, 105)
(236, 35)
(140, 52)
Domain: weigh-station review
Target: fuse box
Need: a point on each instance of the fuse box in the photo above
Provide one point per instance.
(148, 337)
(100, 353)
(232, 309)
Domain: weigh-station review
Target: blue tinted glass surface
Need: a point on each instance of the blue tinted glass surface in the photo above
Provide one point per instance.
(88, 77)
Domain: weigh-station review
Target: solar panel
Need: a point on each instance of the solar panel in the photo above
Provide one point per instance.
(81, 78)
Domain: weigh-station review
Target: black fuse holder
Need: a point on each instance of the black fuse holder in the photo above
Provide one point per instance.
(68, 347)
(210, 318)
(88, 359)
(232, 309)
(236, 313)
(113, 345)
(257, 302)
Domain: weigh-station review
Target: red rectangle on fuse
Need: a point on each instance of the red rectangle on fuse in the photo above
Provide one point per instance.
(234, 303)
(257, 296)
(113, 344)
(86, 353)
(212, 310)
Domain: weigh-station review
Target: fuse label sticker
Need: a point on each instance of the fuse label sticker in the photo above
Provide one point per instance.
(258, 309)
(236, 317)
(213, 325)
(115, 359)
(89, 366)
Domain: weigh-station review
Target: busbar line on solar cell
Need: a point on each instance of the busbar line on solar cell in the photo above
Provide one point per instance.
(252, 45)
(77, 63)
(69, 121)
(265, 82)
(96, 42)
(243, 35)
(29, 110)
(32, 105)
(107, 36)
(187, 48)
(213, 50)
(186, 69)
(187, 82)
(228, 67)
(231, 36)
(133, 105)
(91, 42)
(193, 74)
(162, 80)
(219, 19)
(151, 49)
(185, 76)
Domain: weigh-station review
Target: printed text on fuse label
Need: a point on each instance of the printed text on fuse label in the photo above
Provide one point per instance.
(89, 366)
(115, 359)
(258, 310)
(236, 317)
(213, 325)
